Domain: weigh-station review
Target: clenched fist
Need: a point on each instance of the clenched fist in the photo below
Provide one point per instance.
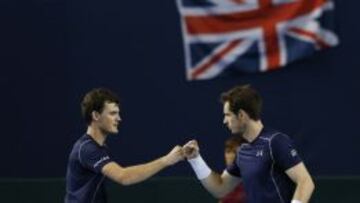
(191, 149)
(174, 156)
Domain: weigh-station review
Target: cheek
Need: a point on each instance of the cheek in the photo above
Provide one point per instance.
(111, 122)
(106, 122)
(233, 121)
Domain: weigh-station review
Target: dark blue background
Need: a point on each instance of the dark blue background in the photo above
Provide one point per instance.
(53, 51)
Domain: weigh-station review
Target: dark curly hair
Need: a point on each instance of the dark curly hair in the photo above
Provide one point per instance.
(95, 100)
(244, 97)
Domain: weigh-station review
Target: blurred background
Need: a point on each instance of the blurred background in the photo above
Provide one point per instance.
(53, 51)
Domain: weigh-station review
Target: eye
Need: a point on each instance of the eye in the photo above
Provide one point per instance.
(113, 113)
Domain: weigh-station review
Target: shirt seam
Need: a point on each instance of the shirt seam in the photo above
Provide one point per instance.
(272, 168)
(81, 145)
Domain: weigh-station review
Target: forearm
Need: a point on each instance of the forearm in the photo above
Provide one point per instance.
(212, 181)
(141, 172)
(304, 190)
(215, 185)
(134, 174)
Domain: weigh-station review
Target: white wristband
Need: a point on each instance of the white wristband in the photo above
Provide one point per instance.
(295, 201)
(200, 168)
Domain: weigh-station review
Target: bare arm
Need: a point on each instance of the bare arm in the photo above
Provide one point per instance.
(134, 174)
(218, 185)
(304, 183)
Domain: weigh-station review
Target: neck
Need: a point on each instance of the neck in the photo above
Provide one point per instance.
(253, 130)
(96, 134)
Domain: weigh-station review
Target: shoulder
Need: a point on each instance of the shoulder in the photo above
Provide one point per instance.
(280, 138)
(274, 139)
(84, 143)
(272, 135)
(86, 147)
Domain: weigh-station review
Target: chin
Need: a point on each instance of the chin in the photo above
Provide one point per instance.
(113, 131)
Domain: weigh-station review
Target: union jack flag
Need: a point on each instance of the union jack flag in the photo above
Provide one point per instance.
(251, 35)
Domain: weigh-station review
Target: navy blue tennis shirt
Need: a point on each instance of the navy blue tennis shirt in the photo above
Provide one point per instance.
(84, 180)
(262, 164)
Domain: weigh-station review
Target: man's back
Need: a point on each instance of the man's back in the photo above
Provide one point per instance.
(84, 180)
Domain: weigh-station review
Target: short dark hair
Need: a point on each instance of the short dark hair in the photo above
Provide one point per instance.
(95, 100)
(243, 97)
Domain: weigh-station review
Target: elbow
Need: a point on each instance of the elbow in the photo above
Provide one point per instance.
(311, 185)
(120, 180)
(124, 179)
(119, 175)
(127, 180)
(308, 184)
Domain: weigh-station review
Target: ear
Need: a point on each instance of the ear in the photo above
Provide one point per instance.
(95, 115)
(242, 114)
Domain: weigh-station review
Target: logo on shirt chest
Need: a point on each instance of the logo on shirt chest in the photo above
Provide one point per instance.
(293, 153)
(259, 153)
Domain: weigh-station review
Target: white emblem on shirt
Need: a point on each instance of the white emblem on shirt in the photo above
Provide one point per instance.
(259, 153)
(101, 160)
(293, 153)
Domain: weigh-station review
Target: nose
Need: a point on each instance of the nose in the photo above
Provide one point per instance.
(224, 121)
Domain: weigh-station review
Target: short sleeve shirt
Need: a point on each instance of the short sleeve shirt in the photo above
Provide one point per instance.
(84, 180)
(262, 164)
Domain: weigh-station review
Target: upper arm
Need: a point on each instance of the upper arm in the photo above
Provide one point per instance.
(287, 158)
(283, 152)
(298, 173)
(229, 181)
(93, 157)
(113, 171)
(220, 185)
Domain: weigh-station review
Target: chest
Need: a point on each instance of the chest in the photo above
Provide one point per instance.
(254, 161)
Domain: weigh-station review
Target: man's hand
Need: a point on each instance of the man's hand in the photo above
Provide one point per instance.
(191, 149)
(174, 156)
